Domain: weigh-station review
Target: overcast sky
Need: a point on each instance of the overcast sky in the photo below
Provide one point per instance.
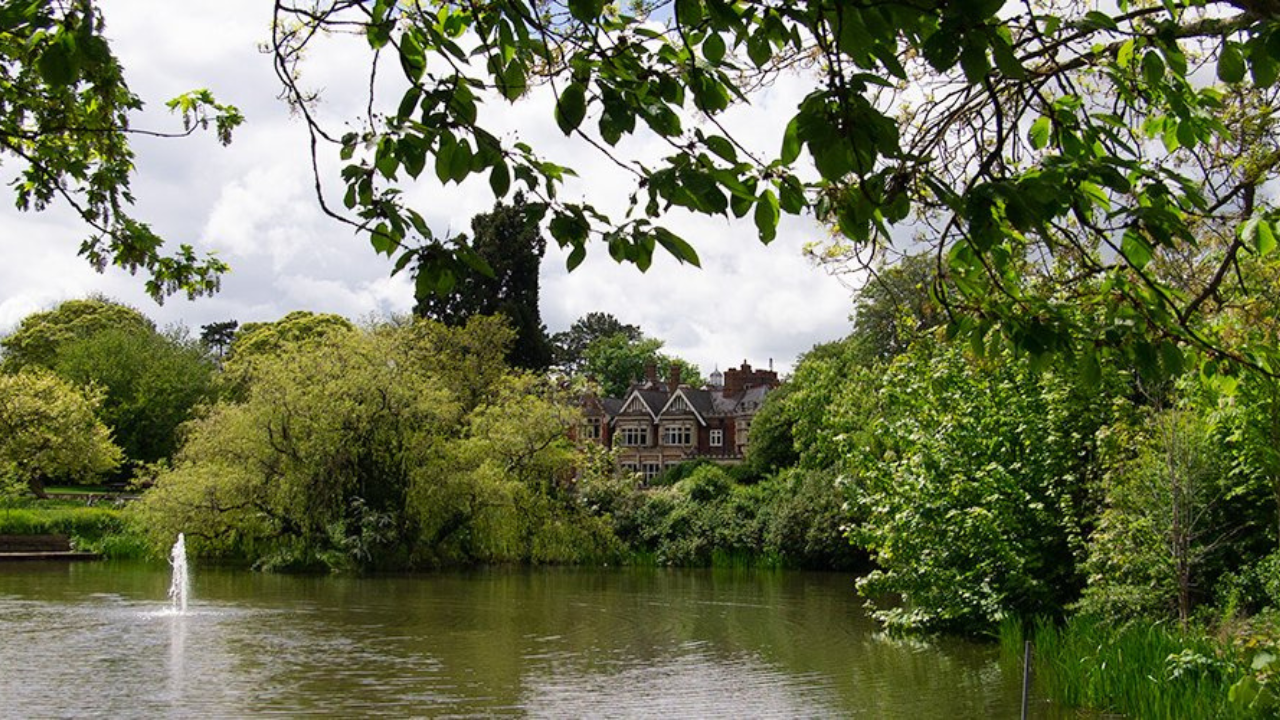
(253, 204)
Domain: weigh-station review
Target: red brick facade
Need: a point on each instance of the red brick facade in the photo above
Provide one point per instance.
(660, 424)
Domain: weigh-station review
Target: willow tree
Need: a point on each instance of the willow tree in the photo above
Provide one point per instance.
(1059, 160)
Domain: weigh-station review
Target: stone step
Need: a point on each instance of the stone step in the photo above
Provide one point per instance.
(34, 543)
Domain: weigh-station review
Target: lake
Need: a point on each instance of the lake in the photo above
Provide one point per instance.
(99, 640)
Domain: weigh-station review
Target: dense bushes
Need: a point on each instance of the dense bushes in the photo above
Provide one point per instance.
(91, 529)
(794, 519)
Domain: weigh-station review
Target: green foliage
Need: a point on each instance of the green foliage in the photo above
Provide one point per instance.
(569, 348)
(808, 520)
(616, 361)
(66, 120)
(151, 384)
(40, 336)
(1163, 536)
(505, 253)
(773, 444)
(327, 436)
(829, 403)
(896, 306)
(396, 446)
(298, 329)
(91, 529)
(1135, 670)
(1046, 206)
(49, 430)
(973, 491)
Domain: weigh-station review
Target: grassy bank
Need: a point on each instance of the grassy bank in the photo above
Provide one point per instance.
(103, 530)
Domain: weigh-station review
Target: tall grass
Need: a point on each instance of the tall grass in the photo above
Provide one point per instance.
(91, 529)
(1138, 670)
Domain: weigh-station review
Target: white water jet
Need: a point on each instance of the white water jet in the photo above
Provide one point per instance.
(180, 585)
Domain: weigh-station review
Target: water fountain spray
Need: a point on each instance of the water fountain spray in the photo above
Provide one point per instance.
(180, 585)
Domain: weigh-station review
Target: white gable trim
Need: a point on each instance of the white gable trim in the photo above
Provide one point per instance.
(635, 398)
(692, 408)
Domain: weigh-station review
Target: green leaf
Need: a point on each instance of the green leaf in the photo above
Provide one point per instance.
(1265, 239)
(1096, 20)
(677, 246)
(444, 157)
(500, 179)
(689, 13)
(1152, 67)
(412, 58)
(790, 142)
(973, 59)
(791, 195)
(571, 108)
(1136, 248)
(1040, 132)
(722, 147)
(460, 162)
(381, 240)
(576, 256)
(1006, 60)
(713, 48)
(758, 48)
(57, 64)
(1230, 64)
(1124, 56)
(587, 11)
(386, 160)
(767, 215)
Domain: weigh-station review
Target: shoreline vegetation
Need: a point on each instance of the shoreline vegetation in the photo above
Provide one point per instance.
(1124, 520)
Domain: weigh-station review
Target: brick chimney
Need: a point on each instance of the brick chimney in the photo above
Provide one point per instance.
(651, 374)
(675, 377)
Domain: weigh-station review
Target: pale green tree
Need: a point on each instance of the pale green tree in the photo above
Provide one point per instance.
(39, 337)
(49, 431)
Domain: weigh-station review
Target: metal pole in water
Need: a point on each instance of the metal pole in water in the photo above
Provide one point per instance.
(1026, 677)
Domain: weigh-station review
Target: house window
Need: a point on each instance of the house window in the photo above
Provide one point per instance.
(630, 467)
(633, 435)
(717, 438)
(681, 435)
(652, 470)
(591, 429)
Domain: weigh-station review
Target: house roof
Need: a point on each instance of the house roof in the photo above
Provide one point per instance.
(646, 401)
(698, 401)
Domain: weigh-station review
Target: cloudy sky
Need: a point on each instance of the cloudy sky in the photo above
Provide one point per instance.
(253, 204)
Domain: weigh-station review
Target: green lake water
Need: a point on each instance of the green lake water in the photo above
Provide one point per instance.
(99, 640)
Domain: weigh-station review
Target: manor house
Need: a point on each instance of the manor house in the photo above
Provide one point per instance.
(663, 423)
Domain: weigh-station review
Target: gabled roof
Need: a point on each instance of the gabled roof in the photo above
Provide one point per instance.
(698, 401)
(648, 401)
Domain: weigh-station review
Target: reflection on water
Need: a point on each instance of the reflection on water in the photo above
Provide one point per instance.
(98, 640)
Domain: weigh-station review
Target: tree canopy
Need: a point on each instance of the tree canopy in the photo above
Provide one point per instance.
(49, 431)
(569, 347)
(508, 249)
(40, 336)
(1084, 180)
(615, 362)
